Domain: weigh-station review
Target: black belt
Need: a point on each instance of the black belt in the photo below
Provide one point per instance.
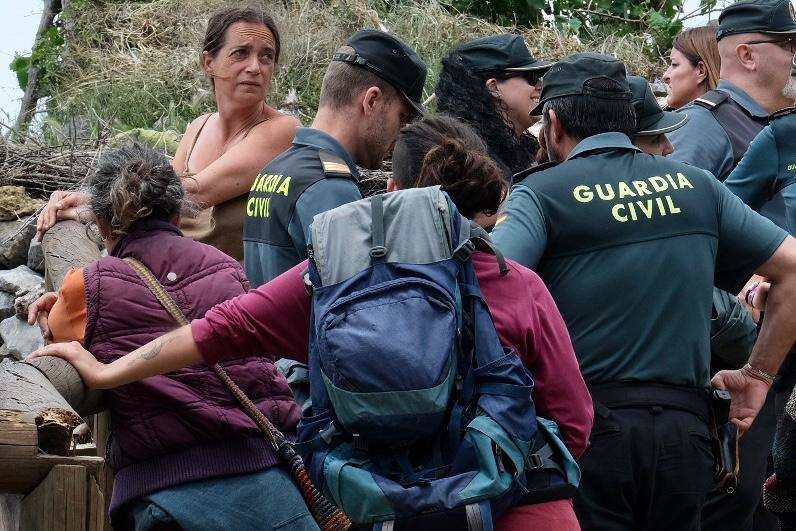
(627, 395)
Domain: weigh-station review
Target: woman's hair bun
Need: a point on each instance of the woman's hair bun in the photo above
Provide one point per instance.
(133, 183)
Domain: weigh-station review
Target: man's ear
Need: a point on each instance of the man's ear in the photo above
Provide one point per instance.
(391, 186)
(372, 101)
(746, 56)
(556, 128)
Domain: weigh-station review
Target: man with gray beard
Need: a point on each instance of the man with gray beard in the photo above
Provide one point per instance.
(768, 168)
(756, 44)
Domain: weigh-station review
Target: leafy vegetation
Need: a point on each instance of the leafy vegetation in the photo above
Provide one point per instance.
(662, 20)
(135, 64)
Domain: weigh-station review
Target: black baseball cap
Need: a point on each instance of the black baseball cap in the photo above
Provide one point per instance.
(391, 59)
(758, 16)
(650, 118)
(499, 53)
(573, 76)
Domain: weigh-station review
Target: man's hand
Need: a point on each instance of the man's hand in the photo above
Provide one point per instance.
(39, 312)
(95, 375)
(748, 395)
(62, 205)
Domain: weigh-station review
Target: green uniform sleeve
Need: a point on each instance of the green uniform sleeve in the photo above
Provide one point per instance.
(753, 179)
(746, 240)
(324, 195)
(789, 195)
(521, 231)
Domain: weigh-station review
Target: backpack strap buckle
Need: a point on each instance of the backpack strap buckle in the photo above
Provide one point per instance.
(464, 251)
(535, 462)
(378, 251)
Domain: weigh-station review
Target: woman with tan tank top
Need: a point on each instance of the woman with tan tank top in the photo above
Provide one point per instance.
(221, 153)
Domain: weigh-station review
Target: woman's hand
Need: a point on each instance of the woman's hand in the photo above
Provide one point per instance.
(95, 375)
(62, 205)
(39, 312)
(746, 296)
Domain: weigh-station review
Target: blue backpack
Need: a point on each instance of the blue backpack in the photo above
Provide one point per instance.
(419, 417)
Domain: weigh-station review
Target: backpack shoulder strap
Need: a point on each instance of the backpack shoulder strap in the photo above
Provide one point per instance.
(711, 99)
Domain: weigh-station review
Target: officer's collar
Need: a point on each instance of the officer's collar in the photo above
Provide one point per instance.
(742, 98)
(602, 141)
(307, 136)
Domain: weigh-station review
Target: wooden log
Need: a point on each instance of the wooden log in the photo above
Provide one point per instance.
(30, 471)
(60, 503)
(66, 246)
(23, 388)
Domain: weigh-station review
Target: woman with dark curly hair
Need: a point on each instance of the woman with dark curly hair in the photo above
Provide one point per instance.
(492, 83)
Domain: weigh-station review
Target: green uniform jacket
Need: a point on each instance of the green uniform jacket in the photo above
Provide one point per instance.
(314, 175)
(630, 245)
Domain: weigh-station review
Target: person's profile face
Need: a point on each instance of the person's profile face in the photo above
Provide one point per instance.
(684, 80)
(517, 97)
(384, 128)
(654, 145)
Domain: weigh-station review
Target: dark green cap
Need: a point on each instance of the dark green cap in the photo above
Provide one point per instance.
(391, 59)
(499, 53)
(575, 74)
(650, 118)
(757, 16)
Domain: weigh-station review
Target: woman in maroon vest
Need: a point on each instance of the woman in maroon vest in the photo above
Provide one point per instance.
(184, 454)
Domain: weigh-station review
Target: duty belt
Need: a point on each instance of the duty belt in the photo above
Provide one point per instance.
(627, 395)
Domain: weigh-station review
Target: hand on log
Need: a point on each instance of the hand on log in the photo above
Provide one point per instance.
(95, 375)
(61, 206)
(39, 312)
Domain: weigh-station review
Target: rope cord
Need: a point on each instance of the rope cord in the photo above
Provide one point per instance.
(325, 513)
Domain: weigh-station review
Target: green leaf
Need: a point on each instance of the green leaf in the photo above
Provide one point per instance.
(20, 66)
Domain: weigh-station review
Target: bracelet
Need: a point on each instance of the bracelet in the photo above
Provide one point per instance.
(758, 374)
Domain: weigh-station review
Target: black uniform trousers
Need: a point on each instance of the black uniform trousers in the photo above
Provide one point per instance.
(648, 468)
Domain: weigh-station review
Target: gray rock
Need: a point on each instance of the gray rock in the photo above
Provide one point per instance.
(35, 256)
(20, 279)
(25, 299)
(19, 338)
(6, 305)
(15, 239)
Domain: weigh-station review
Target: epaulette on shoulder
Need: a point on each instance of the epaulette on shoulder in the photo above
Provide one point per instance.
(517, 177)
(783, 112)
(711, 99)
(333, 166)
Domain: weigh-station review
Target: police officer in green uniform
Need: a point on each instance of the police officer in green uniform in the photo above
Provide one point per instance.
(755, 41)
(629, 245)
(372, 87)
(732, 330)
(768, 168)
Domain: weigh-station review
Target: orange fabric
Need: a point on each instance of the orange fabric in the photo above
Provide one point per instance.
(67, 319)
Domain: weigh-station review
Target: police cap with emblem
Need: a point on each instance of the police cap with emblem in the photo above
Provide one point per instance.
(650, 118)
(391, 59)
(575, 76)
(758, 16)
(499, 53)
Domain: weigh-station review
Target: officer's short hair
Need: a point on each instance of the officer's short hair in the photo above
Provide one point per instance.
(583, 115)
(343, 82)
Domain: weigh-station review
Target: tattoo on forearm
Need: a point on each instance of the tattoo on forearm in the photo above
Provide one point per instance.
(151, 352)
